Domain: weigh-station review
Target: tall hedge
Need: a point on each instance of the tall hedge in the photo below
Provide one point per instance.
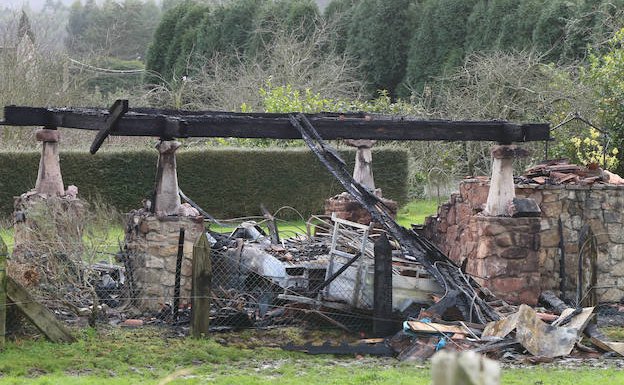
(225, 182)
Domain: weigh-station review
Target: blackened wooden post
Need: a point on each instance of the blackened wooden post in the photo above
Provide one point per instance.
(201, 288)
(178, 273)
(382, 289)
(3, 295)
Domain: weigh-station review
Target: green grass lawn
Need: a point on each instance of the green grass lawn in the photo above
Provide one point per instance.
(416, 211)
(149, 356)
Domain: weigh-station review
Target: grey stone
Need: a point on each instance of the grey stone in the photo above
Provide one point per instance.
(545, 224)
(154, 262)
(593, 204)
(167, 279)
(616, 234)
(612, 216)
(576, 222)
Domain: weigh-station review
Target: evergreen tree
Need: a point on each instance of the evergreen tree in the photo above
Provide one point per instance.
(290, 16)
(181, 50)
(163, 38)
(438, 43)
(549, 34)
(24, 29)
(378, 38)
(115, 28)
(227, 29)
(338, 14)
(476, 28)
(517, 26)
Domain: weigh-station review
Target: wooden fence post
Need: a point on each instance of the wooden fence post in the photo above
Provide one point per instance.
(201, 288)
(383, 325)
(3, 295)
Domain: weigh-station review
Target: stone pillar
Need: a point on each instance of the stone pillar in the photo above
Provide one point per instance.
(48, 221)
(502, 189)
(152, 244)
(49, 178)
(363, 171)
(507, 258)
(167, 198)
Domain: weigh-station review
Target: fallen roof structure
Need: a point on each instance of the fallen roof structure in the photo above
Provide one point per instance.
(120, 120)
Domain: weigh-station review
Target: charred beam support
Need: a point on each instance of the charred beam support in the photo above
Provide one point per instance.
(182, 124)
(115, 113)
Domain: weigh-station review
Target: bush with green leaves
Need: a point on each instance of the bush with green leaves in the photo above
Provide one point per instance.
(606, 73)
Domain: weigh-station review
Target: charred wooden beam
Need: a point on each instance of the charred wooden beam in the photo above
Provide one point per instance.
(171, 124)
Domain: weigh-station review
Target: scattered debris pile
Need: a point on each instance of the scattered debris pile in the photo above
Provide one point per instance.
(526, 335)
(560, 171)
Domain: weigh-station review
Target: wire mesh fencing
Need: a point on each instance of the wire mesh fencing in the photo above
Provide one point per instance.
(319, 281)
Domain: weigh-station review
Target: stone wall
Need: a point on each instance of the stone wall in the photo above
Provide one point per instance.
(152, 243)
(346, 207)
(466, 236)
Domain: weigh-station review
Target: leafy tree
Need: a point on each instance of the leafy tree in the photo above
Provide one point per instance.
(80, 17)
(549, 35)
(517, 27)
(378, 38)
(475, 28)
(606, 73)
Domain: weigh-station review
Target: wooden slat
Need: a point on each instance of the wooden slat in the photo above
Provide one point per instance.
(179, 124)
(430, 327)
(3, 296)
(201, 288)
(38, 314)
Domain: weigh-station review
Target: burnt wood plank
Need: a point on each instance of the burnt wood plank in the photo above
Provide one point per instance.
(38, 314)
(180, 124)
(114, 114)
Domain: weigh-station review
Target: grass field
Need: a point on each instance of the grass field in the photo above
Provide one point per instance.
(148, 356)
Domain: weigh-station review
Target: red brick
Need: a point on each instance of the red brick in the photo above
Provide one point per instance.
(529, 296)
(504, 285)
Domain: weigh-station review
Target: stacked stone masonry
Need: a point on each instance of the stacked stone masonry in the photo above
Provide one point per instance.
(152, 242)
(346, 207)
(517, 258)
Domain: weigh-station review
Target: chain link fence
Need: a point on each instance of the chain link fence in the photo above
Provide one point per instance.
(324, 280)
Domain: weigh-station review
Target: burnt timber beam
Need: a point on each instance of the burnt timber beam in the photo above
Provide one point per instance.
(181, 124)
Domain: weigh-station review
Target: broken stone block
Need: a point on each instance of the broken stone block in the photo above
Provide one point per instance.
(524, 207)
